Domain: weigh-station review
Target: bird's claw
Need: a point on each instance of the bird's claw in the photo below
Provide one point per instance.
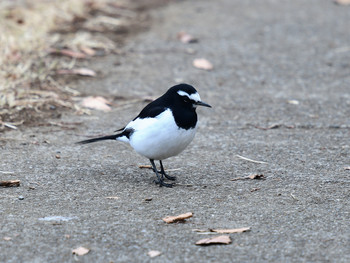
(161, 183)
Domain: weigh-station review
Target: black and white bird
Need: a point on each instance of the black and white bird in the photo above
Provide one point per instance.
(164, 128)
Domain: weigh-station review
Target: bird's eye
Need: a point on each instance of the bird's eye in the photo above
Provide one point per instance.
(186, 99)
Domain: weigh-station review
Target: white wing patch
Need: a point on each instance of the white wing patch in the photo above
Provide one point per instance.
(195, 96)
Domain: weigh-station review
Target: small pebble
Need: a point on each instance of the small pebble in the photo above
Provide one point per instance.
(21, 197)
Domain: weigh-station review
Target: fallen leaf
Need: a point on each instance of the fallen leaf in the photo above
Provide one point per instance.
(97, 103)
(10, 183)
(87, 50)
(214, 241)
(186, 38)
(256, 176)
(294, 102)
(80, 251)
(7, 238)
(67, 52)
(342, 2)
(202, 63)
(173, 219)
(112, 197)
(77, 71)
(145, 166)
(231, 231)
(154, 253)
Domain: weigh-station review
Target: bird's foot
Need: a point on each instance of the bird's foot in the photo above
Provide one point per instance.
(172, 178)
(161, 183)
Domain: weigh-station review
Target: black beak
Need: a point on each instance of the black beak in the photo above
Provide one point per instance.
(201, 103)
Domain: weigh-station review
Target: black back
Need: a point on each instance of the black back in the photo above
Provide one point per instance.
(182, 108)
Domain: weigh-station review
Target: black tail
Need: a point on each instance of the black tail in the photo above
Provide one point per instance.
(108, 137)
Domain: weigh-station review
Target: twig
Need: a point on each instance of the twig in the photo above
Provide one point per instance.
(294, 197)
(251, 177)
(250, 160)
(5, 172)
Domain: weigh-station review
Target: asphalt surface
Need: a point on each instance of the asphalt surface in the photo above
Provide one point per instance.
(280, 94)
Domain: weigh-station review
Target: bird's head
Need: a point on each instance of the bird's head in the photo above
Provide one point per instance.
(187, 96)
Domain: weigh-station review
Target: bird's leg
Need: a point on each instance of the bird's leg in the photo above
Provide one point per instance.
(160, 179)
(159, 172)
(172, 178)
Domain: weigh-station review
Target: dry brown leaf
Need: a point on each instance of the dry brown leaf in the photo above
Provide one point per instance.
(77, 71)
(145, 166)
(10, 183)
(256, 176)
(97, 103)
(80, 251)
(154, 253)
(202, 63)
(214, 241)
(186, 38)
(342, 2)
(231, 231)
(87, 50)
(173, 219)
(67, 52)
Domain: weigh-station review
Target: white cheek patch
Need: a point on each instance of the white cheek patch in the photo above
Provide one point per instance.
(195, 96)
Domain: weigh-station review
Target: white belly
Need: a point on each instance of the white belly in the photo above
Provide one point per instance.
(159, 138)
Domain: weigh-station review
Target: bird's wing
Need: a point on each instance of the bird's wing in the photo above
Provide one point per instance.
(151, 110)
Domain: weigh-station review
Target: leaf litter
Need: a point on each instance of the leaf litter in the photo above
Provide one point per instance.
(77, 71)
(96, 103)
(218, 240)
(65, 35)
(222, 231)
(186, 38)
(154, 253)
(80, 251)
(178, 218)
(10, 183)
(202, 63)
(342, 2)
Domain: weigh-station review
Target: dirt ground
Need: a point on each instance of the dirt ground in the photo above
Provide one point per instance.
(280, 94)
